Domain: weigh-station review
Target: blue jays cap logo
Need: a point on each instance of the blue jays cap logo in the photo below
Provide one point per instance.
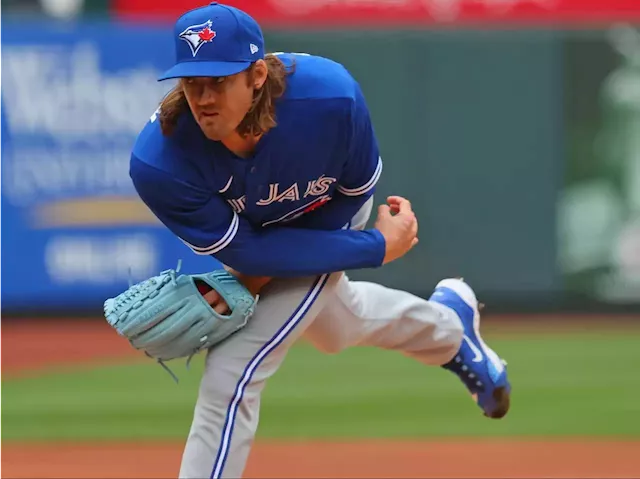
(198, 35)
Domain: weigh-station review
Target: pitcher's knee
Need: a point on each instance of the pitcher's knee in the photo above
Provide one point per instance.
(218, 385)
(332, 345)
(450, 333)
(456, 330)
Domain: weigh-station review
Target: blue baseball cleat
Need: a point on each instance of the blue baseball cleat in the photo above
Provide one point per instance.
(479, 367)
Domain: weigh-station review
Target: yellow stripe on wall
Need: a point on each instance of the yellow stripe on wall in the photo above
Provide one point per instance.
(101, 212)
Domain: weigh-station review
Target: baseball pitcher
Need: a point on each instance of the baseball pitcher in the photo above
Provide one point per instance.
(268, 163)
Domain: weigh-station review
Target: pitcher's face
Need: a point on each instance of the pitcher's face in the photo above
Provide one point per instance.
(219, 104)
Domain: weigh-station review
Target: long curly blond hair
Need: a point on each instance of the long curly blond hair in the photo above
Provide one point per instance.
(261, 116)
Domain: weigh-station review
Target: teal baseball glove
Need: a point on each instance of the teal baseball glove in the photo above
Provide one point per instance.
(167, 317)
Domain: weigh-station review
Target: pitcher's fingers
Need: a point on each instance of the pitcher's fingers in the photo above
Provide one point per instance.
(395, 199)
(383, 210)
(212, 297)
(221, 307)
(394, 202)
(414, 228)
(404, 207)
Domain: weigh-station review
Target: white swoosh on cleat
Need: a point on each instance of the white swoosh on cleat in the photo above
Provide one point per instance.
(475, 350)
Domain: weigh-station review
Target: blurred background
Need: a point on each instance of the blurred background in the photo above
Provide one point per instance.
(512, 125)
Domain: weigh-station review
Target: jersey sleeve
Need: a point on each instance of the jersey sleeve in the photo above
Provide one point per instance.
(209, 226)
(204, 222)
(363, 165)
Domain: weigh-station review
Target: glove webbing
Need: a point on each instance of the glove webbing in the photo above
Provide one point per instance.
(160, 361)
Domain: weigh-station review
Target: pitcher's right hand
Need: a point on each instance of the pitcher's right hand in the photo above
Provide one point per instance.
(399, 227)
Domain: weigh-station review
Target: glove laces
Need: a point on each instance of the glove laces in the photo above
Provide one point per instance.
(145, 289)
(134, 295)
(166, 368)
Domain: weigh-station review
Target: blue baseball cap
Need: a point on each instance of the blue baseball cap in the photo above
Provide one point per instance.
(213, 41)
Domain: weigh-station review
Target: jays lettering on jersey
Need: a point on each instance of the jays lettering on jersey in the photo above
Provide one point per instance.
(282, 212)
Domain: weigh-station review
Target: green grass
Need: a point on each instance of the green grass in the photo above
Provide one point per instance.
(580, 384)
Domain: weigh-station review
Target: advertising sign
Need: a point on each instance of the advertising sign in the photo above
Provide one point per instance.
(73, 101)
(393, 13)
(599, 208)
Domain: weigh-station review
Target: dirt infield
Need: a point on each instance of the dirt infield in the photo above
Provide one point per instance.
(62, 342)
(340, 460)
(58, 345)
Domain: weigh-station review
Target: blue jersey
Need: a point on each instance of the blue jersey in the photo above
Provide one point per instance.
(285, 210)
